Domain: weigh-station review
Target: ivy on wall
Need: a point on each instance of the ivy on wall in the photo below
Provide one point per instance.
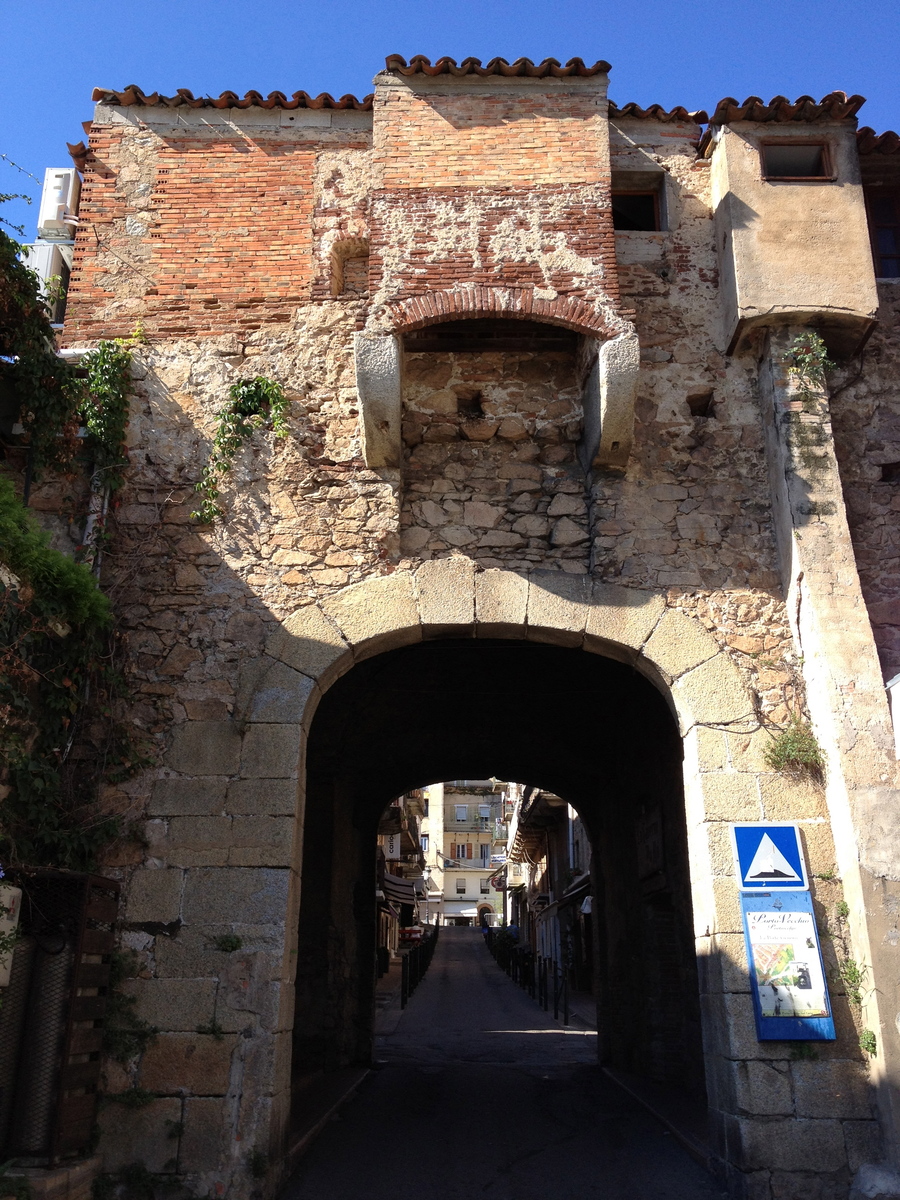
(252, 403)
(59, 740)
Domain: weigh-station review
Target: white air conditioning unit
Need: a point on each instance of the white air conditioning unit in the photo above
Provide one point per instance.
(51, 262)
(57, 216)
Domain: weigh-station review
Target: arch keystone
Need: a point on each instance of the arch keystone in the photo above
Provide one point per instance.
(376, 615)
(501, 603)
(678, 644)
(445, 593)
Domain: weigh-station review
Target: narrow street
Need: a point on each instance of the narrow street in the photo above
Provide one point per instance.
(479, 1092)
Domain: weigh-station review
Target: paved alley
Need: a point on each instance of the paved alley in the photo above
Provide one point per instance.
(481, 1093)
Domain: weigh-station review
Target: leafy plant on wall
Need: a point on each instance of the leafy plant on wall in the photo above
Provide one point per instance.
(58, 678)
(252, 404)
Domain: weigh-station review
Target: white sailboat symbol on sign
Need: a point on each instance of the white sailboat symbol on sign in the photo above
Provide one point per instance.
(770, 863)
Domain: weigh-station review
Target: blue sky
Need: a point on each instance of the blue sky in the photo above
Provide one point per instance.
(668, 53)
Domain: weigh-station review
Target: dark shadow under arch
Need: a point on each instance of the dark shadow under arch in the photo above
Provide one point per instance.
(592, 730)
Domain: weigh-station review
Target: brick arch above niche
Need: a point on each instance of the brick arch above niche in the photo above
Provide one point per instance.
(476, 300)
(610, 382)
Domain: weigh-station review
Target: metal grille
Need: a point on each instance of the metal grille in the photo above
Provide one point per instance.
(51, 1021)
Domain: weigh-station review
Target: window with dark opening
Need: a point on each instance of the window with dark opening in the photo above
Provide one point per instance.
(635, 210)
(883, 206)
(890, 472)
(795, 160)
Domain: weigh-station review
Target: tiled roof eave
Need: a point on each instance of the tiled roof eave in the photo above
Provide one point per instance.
(836, 106)
(132, 96)
(550, 68)
(870, 142)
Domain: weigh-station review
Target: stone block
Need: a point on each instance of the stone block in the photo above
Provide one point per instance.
(235, 895)
(205, 748)
(309, 642)
(730, 955)
(791, 797)
(621, 619)
(129, 1135)
(731, 796)
(186, 797)
(763, 1089)
(280, 695)
(445, 592)
(192, 953)
(864, 1143)
(678, 644)
(713, 693)
(377, 615)
(195, 842)
(194, 1063)
(727, 905)
(173, 1005)
(154, 896)
(501, 604)
(792, 1145)
(270, 752)
(729, 1018)
(833, 1088)
(262, 842)
(558, 607)
(719, 750)
(262, 797)
(202, 1146)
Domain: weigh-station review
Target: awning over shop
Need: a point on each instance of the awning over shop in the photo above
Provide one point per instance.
(400, 890)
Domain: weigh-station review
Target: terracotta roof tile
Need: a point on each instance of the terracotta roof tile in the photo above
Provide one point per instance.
(133, 96)
(656, 112)
(870, 142)
(522, 67)
(836, 106)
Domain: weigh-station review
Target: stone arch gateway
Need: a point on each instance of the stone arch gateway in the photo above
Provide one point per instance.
(636, 490)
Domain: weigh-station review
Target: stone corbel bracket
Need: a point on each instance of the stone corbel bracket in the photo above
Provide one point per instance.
(608, 402)
(379, 378)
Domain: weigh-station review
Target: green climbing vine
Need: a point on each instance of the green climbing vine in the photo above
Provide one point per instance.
(808, 364)
(252, 403)
(59, 683)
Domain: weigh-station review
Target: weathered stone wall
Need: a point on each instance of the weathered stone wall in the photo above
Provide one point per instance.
(490, 468)
(235, 630)
(866, 417)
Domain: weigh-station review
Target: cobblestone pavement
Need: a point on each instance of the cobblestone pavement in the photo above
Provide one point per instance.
(481, 1093)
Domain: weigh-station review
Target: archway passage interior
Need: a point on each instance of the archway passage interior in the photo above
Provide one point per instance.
(588, 728)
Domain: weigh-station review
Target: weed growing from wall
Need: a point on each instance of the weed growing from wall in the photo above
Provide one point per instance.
(252, 404)
(808, 364)
(795, 751)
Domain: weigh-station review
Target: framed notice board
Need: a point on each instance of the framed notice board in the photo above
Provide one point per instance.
(787, 977)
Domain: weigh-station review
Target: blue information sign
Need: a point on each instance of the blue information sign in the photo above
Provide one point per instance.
(787, 977)
(769, 857)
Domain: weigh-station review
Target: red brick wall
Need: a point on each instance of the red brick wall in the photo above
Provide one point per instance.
(499, 188)
(523, 137)
(223, 243)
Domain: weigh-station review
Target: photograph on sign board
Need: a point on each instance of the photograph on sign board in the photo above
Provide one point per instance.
(786, 964)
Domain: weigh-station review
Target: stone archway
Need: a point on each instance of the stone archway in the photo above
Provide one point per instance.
(448, 598)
